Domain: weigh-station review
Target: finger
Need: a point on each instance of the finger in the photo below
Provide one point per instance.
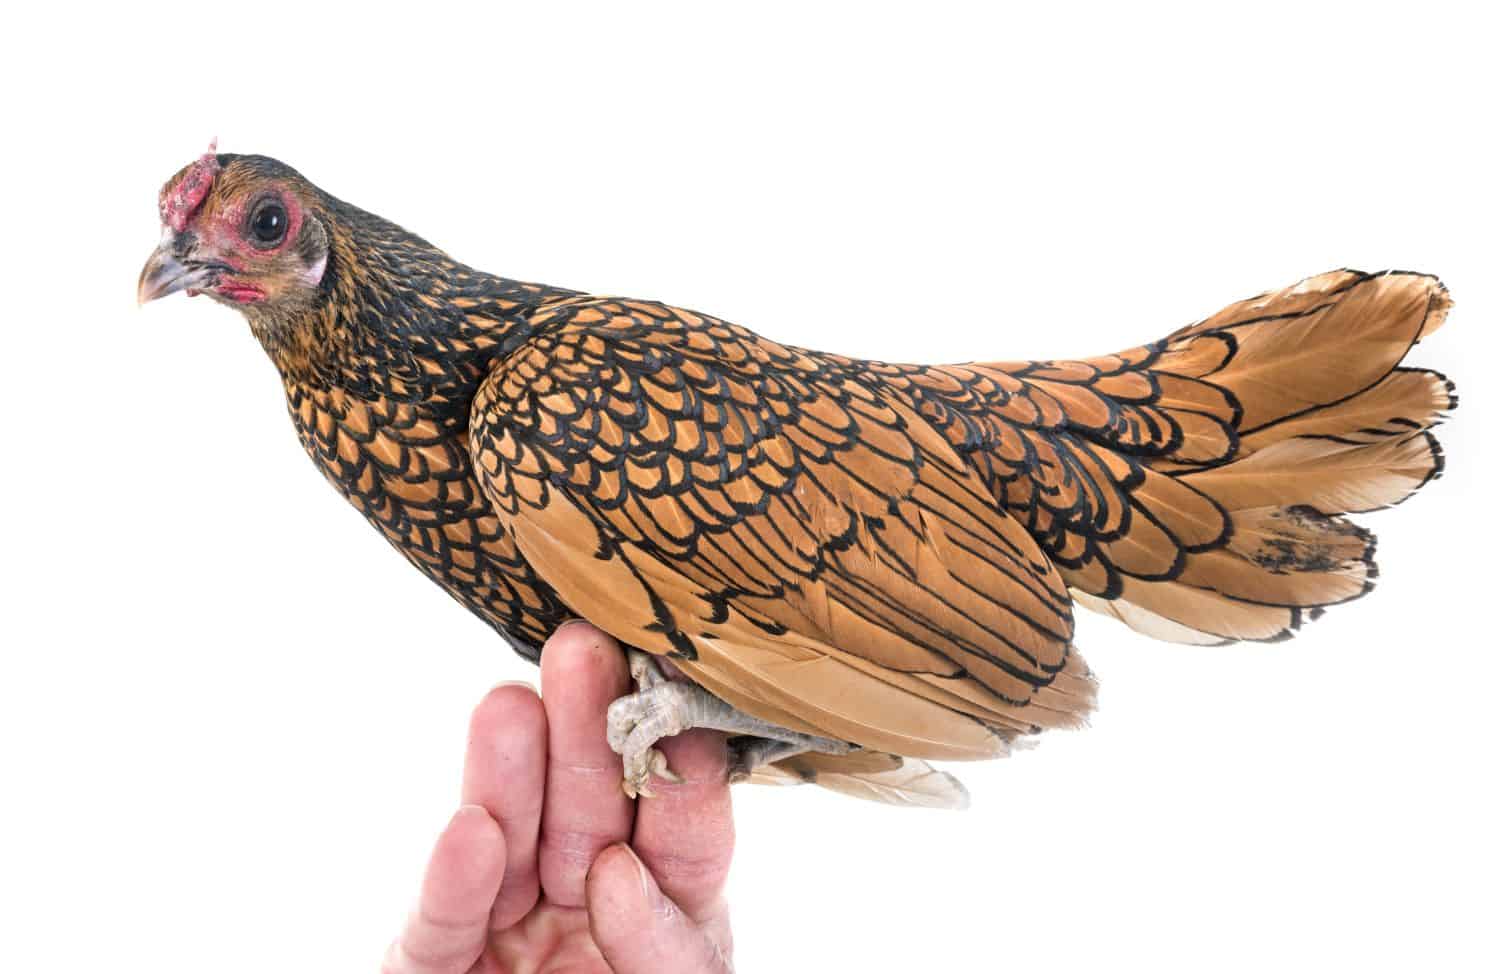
(448, 931)
(685, 835)
(640, 930)
(583, 671)
(505, 771)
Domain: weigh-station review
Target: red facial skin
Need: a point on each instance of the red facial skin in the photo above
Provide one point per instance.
(236, 291)
(223, 232)
(242, 293)
(221, 228)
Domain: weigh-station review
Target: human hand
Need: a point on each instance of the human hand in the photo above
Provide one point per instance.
(548, 866)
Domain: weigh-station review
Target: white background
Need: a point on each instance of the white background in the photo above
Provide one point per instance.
(231, 718)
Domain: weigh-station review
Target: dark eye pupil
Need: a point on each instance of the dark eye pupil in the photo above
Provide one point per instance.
(269, 223)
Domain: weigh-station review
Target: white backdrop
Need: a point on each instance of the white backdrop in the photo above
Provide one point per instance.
(231, 719)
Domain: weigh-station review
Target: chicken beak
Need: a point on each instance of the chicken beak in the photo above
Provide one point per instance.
(166, 273)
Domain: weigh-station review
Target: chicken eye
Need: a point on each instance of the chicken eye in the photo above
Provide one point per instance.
(268, 223)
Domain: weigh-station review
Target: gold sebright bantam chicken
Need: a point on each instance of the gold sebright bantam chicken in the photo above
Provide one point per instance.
(852, 567)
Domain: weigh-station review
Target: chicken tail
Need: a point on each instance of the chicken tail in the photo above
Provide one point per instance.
(1196, 489)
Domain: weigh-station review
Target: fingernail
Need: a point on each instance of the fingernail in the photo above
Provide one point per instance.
(512, 683)
(643, 877)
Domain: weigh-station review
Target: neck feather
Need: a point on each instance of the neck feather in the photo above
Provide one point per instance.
(398, 319)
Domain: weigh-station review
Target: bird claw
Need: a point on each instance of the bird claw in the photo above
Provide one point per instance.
(645, 671)
(658, 709)
(637, 780)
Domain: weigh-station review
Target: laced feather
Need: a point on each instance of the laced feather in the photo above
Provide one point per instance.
(1327, 423)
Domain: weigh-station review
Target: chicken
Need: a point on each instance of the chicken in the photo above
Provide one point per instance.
(851, 567)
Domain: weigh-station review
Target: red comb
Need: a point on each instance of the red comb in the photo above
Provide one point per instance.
(181, 199)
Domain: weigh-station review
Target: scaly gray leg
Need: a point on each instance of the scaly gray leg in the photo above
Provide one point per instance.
(748, 753)
(663, 707)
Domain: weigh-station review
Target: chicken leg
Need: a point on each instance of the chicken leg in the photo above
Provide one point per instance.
(661, 707)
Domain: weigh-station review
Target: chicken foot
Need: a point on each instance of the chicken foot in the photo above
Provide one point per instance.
(662, 707)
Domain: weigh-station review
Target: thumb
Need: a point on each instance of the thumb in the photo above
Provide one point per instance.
(637, 928)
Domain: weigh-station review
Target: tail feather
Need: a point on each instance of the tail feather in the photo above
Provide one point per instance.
(1404, 401)
(1316, 344)
(1332, 475)
(1212, 509)
(1177, 613)
(1327, 424)
(1304, 559)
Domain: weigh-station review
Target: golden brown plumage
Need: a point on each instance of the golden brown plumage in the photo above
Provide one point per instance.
(882, 554)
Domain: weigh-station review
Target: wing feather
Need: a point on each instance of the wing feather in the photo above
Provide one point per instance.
(801, 541)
